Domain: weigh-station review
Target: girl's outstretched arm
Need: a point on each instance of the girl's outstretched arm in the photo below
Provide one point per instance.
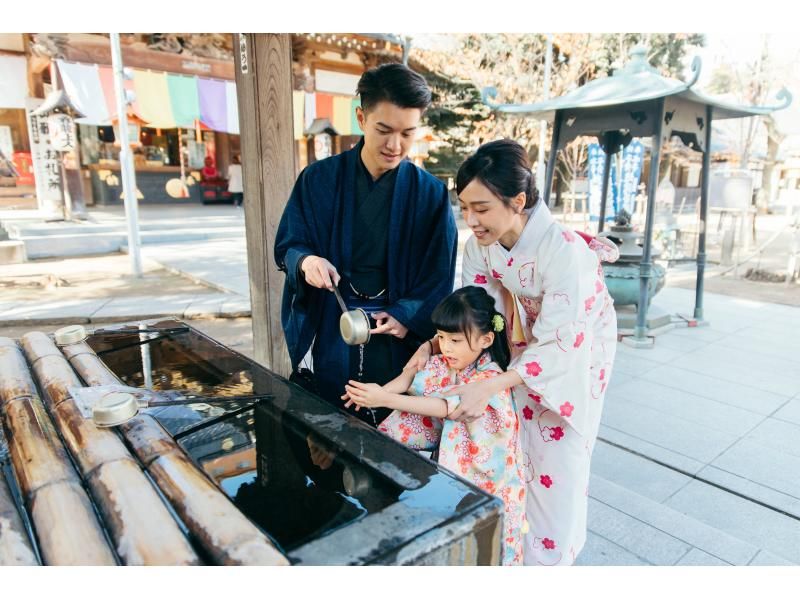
(373, 395)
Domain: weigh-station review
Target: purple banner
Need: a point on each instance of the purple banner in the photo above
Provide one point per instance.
(213, 104)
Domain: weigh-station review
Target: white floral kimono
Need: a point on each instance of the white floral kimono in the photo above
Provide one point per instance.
(563, 331)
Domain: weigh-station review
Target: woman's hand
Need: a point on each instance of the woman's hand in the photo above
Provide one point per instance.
(474, 399)
(366, 395)
(420, 357)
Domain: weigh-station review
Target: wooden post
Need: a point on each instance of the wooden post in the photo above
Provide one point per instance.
(264, 89)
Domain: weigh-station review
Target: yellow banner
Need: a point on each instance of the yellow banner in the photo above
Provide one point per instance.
(298, 105)
(152, 95)
(342, 120)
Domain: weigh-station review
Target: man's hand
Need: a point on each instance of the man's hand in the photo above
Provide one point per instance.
(366, 395)
(319, 272)
(388, 325)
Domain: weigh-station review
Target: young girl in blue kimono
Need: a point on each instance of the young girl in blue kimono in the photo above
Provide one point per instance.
(486, 450)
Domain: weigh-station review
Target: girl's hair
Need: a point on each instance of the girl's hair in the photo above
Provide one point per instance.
(503, 168)
(471, 310)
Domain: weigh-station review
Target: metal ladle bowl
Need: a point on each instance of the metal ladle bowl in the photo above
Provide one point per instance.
(116, 408)
(353, 324)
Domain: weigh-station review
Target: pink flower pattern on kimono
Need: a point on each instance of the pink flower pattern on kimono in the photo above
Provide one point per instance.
(480, 279)
(525, 273)
(486, 451)
(531, 306)
(533, 368)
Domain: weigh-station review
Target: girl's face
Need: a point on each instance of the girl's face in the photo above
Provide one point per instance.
(460, 351)
(489, 218)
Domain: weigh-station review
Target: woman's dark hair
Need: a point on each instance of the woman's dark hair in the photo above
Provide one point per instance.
(502, 167)
(469, 310)
(394, 83)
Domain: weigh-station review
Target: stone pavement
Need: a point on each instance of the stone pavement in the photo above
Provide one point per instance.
(698, 459)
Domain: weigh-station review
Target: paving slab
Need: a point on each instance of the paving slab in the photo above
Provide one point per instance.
(681, 435)
(740, 518)
(599, 551)
(684, 405)
(668, 521)
(696, 557)
(744, 396)
(636, 473)
(641, 539)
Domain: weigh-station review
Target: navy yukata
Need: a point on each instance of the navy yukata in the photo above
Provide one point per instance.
(421, 247)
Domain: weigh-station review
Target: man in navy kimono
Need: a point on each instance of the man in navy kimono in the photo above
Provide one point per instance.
(378, 227)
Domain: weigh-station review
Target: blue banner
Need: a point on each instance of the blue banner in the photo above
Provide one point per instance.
(596, 160)
(632, 160)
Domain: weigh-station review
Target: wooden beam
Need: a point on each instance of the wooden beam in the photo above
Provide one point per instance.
(266, 124)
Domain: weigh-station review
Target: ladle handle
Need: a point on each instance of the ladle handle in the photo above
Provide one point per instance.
(339, 299)
(203, 400)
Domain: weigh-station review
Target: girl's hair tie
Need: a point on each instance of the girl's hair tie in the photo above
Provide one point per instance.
(497, 323)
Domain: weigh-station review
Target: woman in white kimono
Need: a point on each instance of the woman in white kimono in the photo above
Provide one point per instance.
(548, 283)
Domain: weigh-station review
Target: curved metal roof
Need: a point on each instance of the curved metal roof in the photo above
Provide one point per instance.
(636, 82)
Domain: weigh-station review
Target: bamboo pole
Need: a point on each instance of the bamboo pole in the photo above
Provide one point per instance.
(142, 528)
(15, 546)
(61, 513)
(217, 525)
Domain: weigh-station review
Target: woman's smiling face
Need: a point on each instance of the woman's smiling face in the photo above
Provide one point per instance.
(489, 218)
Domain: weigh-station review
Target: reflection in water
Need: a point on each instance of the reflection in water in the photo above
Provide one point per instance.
(296, 466)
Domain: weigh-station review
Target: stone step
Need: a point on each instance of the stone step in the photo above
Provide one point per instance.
(627, 528)
(40, 229)
(108, 242)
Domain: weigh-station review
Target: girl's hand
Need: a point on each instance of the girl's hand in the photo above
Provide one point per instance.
(420, 357)
(474, 400)
(367, 395)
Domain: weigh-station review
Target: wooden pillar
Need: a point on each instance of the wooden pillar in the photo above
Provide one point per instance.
(264, 89)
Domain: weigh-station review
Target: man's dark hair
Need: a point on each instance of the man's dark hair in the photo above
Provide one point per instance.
(394, 83)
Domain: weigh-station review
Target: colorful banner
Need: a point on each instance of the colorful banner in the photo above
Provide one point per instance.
(355, 129)
(232, 108)
(298, 104)
(341, 114)
(213, 104)
(325, 106)
(596, 161)
(82, 84)
(106, 74)
(311, 110)
(152, 93)
(632, 161)
(183, 99)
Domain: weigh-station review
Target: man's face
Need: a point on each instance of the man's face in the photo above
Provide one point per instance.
(388, 135)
